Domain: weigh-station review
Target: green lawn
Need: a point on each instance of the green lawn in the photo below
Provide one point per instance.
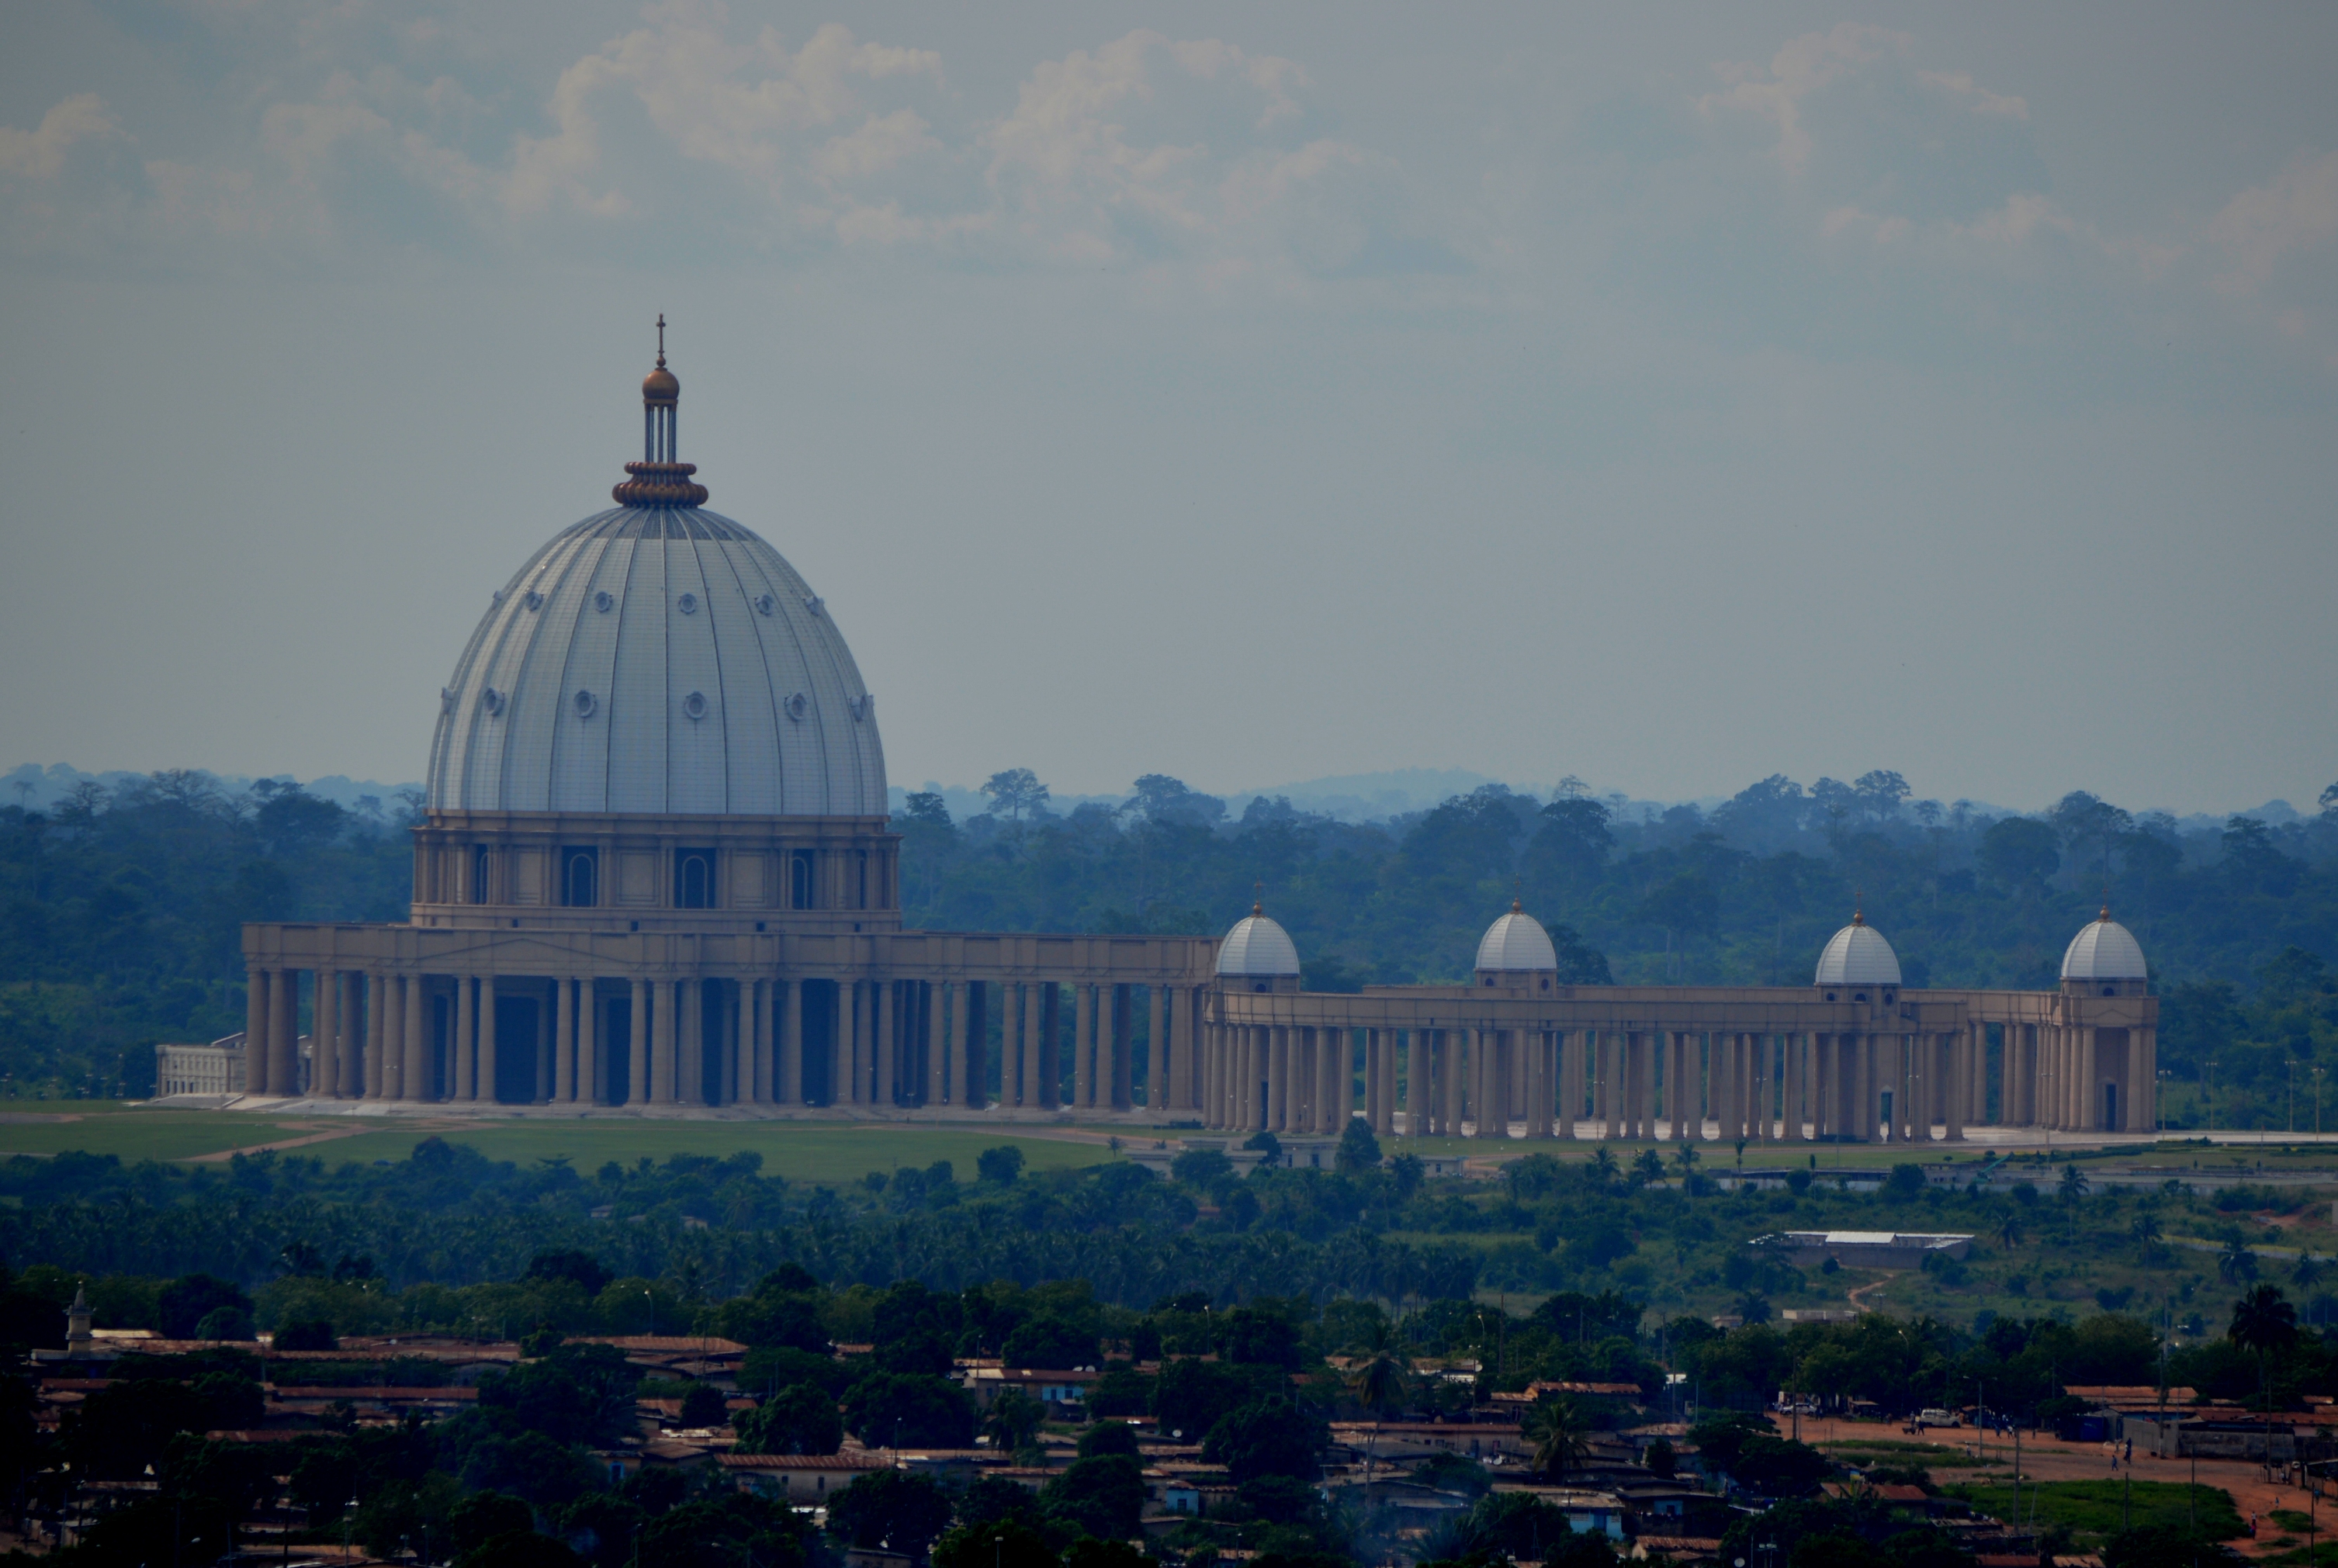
(2092, 1510)
(805, 1152)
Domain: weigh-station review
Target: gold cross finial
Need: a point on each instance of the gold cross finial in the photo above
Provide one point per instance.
(1858, 907)
(661, 339)
(1518, 890)
(1257, 907)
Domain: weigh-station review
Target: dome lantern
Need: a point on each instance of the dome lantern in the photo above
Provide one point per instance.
(661, 478)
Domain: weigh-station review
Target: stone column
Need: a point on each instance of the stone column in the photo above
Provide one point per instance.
(787, 1085)
(1050, 1023)
(1336, 1056)
(1160, 1052)
(637, 1046)
(563, 1051)
(1957, 1066)
(1415, 1087)
(666, 1020)
(348, 1056)
(1212, 1076)
(389, 1083)
(464, 1069)
(1115, 1059)
(763, 1075)
(2090, 1080)
(887, 1046)
(590, 1087)
(542, 1094)
(414, 1077)
(1790, 1076)
(490, 1040)
(377, 984)
(324, 1051)
(1082, 1044)
(741, 1088)
(282, 1047)
(1570, 1045)
(2147, 1095)
(255, 1031)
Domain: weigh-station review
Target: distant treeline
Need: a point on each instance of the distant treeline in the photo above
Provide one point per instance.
(119, 911)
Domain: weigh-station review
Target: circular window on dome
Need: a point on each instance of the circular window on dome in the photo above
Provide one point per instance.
(496, 597)
(695, 705)
(765, 603)
(604, 601)
(586, 704)
(814, 604)
(492, 700)
(446, 699)
(796, 706)
(687, 603)
(535, 601)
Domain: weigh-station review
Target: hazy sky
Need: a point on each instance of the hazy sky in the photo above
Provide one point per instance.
(1669, 396)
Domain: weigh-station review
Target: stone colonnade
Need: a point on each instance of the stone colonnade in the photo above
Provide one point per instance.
(1052, 1044)
(1866, 1084)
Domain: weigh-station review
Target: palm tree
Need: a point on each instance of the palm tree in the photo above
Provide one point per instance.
(1603, 1164)
(2307, 1272)
(1560, 1437)
(2074, 1184)
(2147, 1231)
(2009, 1229)
(2264, 1322)
(1649, 1168)
(1014, 1420)
(1686, 1156)
(1377, 1381)
(2236, 1263)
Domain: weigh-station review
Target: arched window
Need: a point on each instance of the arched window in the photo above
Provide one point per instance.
(800, 879)
(693, 879)
(480, 866)
(580, 877)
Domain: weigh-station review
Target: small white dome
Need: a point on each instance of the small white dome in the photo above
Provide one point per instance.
(1258, 948)
(2104, 950)
(1858, 955)
(1516, 941)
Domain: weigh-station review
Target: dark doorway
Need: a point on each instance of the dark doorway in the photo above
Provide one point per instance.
(515, 1049)
(819, 1053)
(617, 1046)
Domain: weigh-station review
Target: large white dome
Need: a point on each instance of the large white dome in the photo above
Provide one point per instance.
(2104, 950)
(658, 658)
(1257, 948)
(1858, 955)
(1516, 942)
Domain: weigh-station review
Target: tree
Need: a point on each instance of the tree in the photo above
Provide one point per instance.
(1013, 1420)
(1561, 1436)
(1378, 1380)
(2236, 1263)
(925, 808)
(1161, 799)
(2018, 851)
(2146, 1230)
(1001, 1165)
(1270, 1437)
(1358, 1151)
(1016, 791)
(892, 1409)
(2264, 1321)
(1649, 1168)
(799, 1420)
(899, 1510)
(1102, 1495)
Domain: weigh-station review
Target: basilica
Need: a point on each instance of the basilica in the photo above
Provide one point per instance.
(655, 876)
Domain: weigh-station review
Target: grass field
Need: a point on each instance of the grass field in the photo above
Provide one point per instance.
(2093, 1511)
(804, 1151)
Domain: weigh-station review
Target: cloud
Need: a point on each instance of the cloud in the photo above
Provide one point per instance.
(2266, 222)
(1984, 101)
(40, 154)
(1795, 71)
